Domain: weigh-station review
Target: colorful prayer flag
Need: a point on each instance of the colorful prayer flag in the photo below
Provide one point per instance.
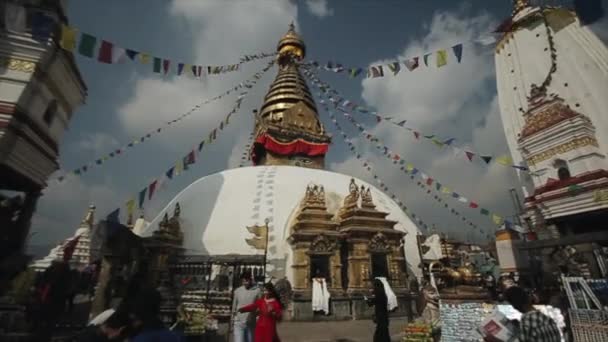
(442, 58)
(457, 49)
(412, 63)
(166, 63)
(470, 155)
(142, 197)
(42, 26)
(130, 206)
(180, 68)
(157, 62)
(426, 59)
(144, 58)
(68, 37)
(497, 219)
(132, 54)
(87, 45)
(504, 160)
(395, 68)
(118, 54)
(105, 52)
(151, 189)
(486, 159)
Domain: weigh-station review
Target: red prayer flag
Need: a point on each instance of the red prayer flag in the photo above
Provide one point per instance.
(396, 157)
(473, 205)
(151, 189)
(166, 63)
(470, 155)
(417, 134)
(105, 52)
(429, 181)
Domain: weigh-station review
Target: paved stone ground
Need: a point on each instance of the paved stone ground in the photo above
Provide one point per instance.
(345, 331)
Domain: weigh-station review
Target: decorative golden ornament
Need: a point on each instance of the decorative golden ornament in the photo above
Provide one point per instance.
(18, 65)
(600, 196)
(548, 117)
(563, 148)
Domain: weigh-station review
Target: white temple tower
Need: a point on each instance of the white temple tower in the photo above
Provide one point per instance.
(552, 80)
(81, 257)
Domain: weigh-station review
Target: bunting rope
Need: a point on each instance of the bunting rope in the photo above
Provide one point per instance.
(120, 151)
(343, 105)
(178, 168)
(245, 156)
(71, 38)
(376, 71)
(367, 165)
(428, 180)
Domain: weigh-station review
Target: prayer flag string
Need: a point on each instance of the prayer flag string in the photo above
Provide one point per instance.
(122, 150)
(409, 168)
(347, 107)
(440, 58)
(107, 52)
(181, 165)
(367, 165)
(43, 27)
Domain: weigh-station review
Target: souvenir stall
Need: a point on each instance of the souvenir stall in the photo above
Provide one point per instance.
(204, 289)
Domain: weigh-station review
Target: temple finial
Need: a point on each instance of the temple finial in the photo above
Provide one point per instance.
(519, 5)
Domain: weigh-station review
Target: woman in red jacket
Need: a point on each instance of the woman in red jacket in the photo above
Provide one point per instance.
(269, 311)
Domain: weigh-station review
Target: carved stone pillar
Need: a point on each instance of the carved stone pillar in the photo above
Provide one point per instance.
(300, 267)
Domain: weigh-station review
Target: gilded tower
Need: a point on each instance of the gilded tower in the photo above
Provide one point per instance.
(287, 127)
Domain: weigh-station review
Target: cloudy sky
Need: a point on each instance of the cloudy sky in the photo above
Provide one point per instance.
(127, 100)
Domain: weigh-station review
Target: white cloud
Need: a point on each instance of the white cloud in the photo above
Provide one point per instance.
(98, 143)
(223, 32)
(319, 8)
(449, 102)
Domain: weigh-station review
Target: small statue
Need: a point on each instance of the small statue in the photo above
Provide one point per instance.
(321, 195)
(177, 210)
(366, 198)
(164, 224)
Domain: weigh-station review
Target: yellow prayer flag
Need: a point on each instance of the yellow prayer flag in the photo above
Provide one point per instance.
(442, 58)
(504, 160)
(409, 167)
(178, 167)
(144, 58)
(497, 219)
(446, 190)
(130, 207)
(68, 37)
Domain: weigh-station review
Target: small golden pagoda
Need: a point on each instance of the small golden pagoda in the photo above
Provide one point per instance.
(316, 242)
(287, 127)
(374, 246)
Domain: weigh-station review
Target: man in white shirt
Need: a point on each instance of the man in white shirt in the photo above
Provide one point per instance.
(244, 323)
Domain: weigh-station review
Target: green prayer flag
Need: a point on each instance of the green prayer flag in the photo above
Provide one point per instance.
(87, 45)
(157, 63)
(485, 211)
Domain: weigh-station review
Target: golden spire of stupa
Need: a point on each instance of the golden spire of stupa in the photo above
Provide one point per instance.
(289, 114)
(289, 87)
(519, 5)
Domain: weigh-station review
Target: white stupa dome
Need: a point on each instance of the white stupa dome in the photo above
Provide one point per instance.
(216, 210)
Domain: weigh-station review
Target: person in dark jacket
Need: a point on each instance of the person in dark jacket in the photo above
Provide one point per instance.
(145, 320)
(380, 303)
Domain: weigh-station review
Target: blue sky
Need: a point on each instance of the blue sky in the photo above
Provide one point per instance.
(127, 100)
